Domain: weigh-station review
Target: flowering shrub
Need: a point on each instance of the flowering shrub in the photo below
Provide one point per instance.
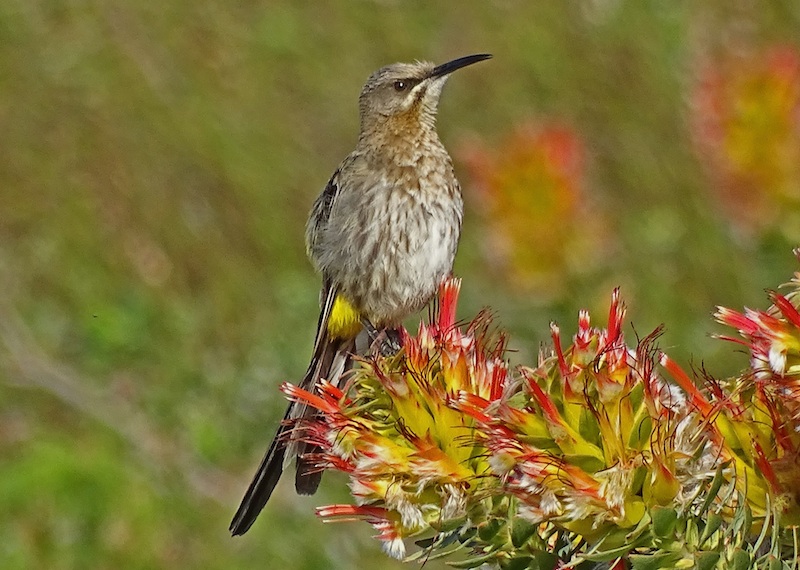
(592, 456)
(536, 175)
(746, 116)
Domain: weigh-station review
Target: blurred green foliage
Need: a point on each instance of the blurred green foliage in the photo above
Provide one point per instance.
(157, 166)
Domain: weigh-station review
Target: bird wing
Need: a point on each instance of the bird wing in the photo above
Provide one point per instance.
(320, 214)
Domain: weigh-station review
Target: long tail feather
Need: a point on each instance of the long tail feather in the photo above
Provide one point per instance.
(327, 352)
(265, 479)
(336, 359)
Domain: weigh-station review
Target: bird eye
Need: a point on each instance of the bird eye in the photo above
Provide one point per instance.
(400, 85)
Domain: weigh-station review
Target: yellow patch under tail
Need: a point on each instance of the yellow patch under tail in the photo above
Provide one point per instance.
(345, 320)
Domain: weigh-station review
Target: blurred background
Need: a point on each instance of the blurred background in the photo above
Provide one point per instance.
(158, 163)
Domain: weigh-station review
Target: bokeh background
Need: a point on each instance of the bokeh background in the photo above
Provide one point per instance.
(158, 163)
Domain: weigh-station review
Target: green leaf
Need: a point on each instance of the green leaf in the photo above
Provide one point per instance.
(439, 546)
(713, 490)
(448, 525)
(740, 560)
(433, 554)
(713, 522)
(705, 560)
(488, 530)
(440, 543)
(639, 477)
(475, 561)
(655, 561)
(643, 528)
(544, 560)
(775, 563)
(521, 531)
(611, 554)
(664, 521)
(520, 563)
(643, 426)
(589, 463)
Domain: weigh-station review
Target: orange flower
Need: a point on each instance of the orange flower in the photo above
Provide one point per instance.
(413, 462)
(747, 128)
(532, 197)
(590, 456)
(765, 400)
(592, 444)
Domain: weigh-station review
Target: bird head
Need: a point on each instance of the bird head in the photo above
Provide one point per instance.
(407, 91)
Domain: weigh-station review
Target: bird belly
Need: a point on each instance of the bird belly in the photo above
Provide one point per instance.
(408, 281)
(398, 268)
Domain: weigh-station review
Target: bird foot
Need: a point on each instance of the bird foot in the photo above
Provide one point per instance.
(386, 342)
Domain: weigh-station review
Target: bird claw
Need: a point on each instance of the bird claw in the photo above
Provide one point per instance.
(386, 342)
(391, 343)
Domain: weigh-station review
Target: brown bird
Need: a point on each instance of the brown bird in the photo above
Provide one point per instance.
(383, 234)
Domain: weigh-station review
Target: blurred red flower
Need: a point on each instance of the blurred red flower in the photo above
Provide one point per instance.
(531, 195)
(746, 126)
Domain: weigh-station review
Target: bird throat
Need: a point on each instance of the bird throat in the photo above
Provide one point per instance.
(405, 138)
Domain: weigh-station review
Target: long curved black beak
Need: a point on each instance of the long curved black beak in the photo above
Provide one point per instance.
(451, 66)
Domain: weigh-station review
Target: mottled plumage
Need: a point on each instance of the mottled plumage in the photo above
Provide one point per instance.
(391, 233)
(383, 234)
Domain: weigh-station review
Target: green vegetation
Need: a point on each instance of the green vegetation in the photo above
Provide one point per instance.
(158, 163)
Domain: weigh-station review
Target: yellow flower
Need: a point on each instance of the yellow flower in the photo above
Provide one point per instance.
(413, 461)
